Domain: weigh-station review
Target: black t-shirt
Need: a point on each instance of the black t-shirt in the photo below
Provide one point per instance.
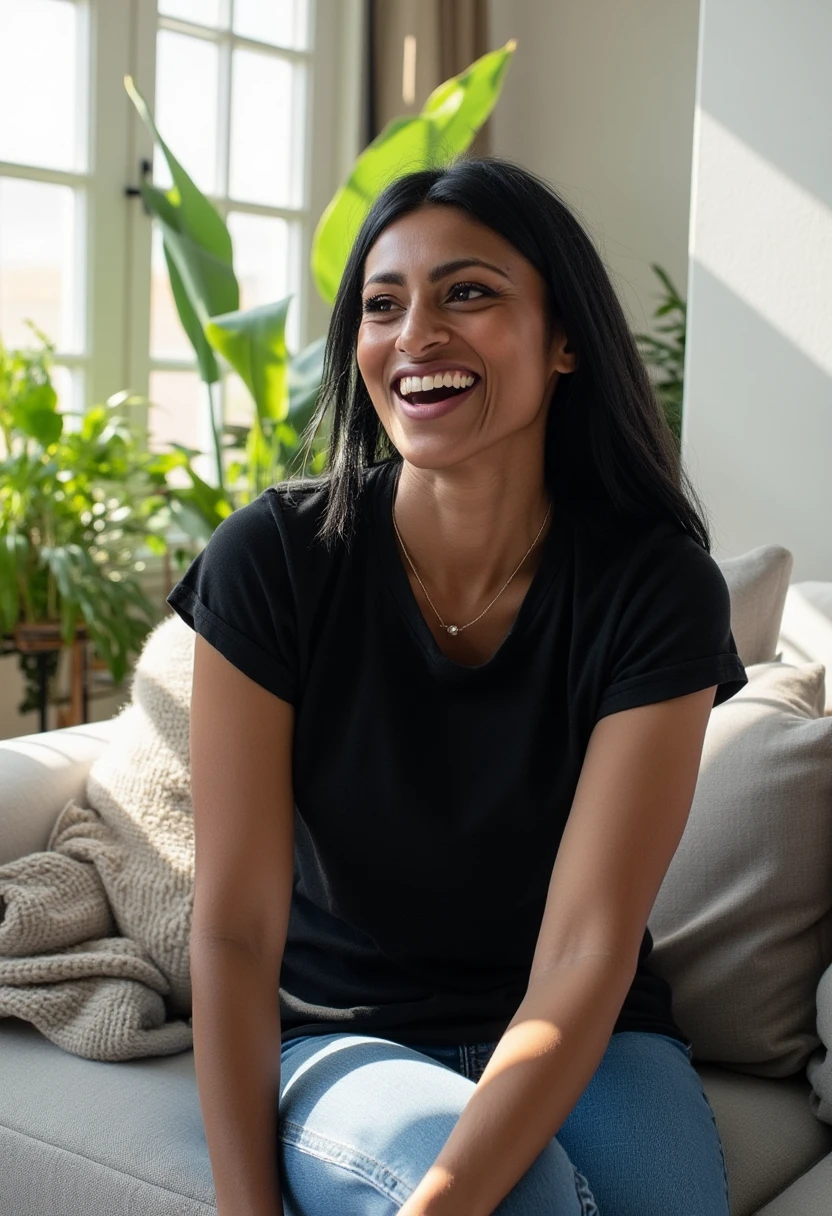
(431, 796)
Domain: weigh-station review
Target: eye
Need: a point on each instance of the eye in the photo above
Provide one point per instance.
(472, 287)
(376, 303)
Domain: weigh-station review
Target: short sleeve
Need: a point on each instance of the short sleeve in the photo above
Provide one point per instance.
(237, 594)
(671, 633)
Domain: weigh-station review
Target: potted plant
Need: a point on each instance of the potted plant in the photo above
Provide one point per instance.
(77, 507)
(668, 357)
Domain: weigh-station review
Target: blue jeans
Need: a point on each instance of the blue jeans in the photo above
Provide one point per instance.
(361, 1119)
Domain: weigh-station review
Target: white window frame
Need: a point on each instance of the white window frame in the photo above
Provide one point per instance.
(118, 37)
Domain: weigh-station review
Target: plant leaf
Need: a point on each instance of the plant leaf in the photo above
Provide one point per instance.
(191, 323)
(449, 120)
(254, 343)
(208, 281)
(197, 246)
(305, 373)
(199, 218)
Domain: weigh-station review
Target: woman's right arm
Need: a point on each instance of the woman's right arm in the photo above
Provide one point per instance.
(241, 783)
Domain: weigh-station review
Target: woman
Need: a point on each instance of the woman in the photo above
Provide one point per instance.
(470, 669)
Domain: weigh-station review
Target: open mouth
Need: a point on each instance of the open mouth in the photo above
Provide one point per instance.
(432, 395)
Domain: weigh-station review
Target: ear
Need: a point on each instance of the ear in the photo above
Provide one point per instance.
(562, 355)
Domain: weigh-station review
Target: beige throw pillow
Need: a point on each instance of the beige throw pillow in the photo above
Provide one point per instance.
(757, 585)
(742, 923)
(806, 629)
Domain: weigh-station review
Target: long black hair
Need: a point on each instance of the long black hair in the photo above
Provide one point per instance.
(607, 435)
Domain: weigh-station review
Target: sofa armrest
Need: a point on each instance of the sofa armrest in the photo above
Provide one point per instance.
(39, 774)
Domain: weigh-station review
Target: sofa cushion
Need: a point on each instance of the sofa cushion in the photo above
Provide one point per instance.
(769, 1136)
(757, 584)
(806, 629)
(39, 773)
(92, 1136)
(742, 923)
(819, 1066)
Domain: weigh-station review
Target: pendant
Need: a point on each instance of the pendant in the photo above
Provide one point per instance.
(452, 628)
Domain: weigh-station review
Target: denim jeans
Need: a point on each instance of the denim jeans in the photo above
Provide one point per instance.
(361, 1119)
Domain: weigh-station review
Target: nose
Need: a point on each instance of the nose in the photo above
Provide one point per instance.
(422, 328)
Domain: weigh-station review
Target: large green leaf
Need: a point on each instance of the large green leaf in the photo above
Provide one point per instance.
(447, 125)
(197, 247)
(199, 218)
(191, 323)
(208, 281)
(254, 343)
(305, 373)
(167, 215)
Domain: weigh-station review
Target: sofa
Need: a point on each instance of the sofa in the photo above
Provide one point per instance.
(742, 929)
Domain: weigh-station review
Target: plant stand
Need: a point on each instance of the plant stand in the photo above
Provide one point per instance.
(42, 638)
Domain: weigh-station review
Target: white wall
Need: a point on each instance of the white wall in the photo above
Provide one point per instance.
(599, 99)
(701, 140)
(758, 403)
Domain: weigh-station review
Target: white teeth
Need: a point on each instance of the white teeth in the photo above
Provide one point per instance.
(423, 384)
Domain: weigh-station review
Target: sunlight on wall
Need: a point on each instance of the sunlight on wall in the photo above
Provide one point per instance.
(734, 241)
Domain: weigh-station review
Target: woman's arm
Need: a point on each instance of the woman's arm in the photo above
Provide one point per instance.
(241, 782)
(536, 1074)
(630, 808)
(236, 1022)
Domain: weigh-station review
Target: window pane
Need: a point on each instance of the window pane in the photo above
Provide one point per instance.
(272, 21)
(261, 122)
(186, 107)
(262, 263)
(201, 12)
(168, 339)
(37, 263)
(68, 383)
(38, 83)
(261, 257)
(239, 409)
(178, 413)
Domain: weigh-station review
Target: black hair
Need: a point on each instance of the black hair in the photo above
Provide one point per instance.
(607, 435)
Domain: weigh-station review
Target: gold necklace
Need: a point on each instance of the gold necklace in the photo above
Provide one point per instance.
(455, 629)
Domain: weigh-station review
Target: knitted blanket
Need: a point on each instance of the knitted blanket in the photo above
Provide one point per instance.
(95, 930)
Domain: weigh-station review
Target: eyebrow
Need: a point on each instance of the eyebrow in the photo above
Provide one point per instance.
(438, 272)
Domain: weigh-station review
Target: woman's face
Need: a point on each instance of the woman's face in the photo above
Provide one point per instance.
(430, 305)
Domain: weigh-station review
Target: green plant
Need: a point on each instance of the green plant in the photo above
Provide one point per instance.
(198, 252)
(668, 357)
(75, 506)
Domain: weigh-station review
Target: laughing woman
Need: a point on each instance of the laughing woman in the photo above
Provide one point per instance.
(449, 703)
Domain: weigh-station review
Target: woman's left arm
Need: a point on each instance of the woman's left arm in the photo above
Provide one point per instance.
(630, 808)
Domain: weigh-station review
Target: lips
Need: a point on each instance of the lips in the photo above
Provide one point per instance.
(427, 411)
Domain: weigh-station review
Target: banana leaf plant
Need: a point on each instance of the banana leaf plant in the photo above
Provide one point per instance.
(199, 257)
(668, 357)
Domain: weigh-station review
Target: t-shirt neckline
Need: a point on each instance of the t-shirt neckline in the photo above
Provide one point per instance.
(394, 569)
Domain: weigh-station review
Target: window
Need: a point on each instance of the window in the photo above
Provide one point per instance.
(243, 91)
(45, 181)
(220, 70)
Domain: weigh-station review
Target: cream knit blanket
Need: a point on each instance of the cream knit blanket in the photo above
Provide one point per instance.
(94, 932)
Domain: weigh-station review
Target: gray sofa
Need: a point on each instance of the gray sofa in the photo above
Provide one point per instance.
(95, 1138)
